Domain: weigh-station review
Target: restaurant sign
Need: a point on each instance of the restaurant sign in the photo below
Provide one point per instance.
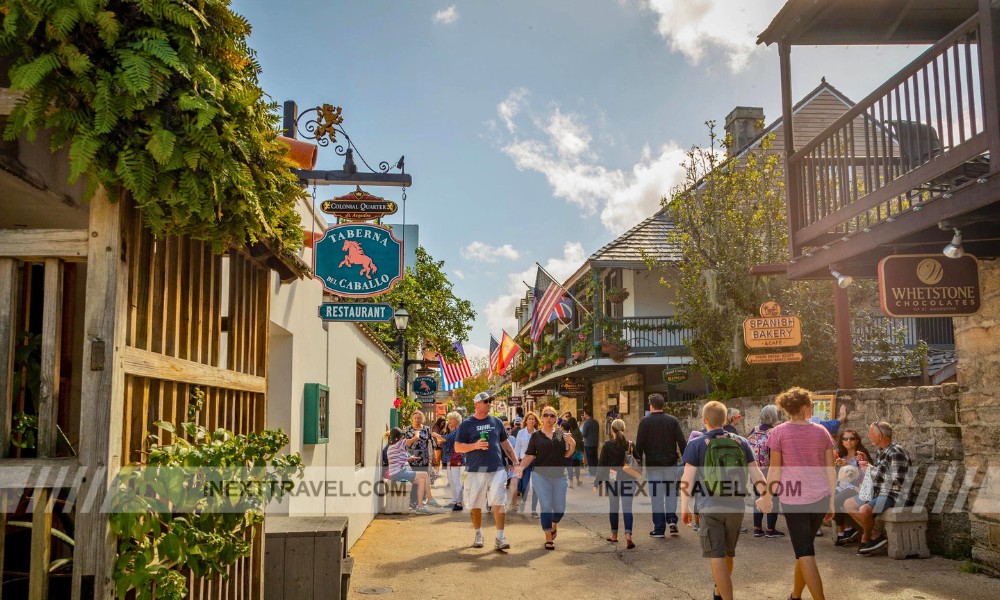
(425, 387)
(928, 285)
(771, 358)
(359, 205)
(358, 260)
(355, 312)
(771, 329)
(675, 375)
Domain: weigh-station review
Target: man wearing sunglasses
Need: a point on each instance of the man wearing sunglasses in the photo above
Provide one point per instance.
(888, 476)
(481, 438)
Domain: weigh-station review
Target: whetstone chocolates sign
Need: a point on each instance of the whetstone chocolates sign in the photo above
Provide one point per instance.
(928, 285)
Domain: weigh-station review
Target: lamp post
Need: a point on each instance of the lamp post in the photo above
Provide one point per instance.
(402, 321)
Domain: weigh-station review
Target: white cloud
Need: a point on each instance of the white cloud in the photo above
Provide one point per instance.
(509, 107)
(559, 147)
(491, 254)
(475, 352)
(693, 27)
(447, 16)
(500, 311)
(458, 274)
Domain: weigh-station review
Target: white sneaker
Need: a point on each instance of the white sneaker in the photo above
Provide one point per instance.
(479, 540)
(503, 544)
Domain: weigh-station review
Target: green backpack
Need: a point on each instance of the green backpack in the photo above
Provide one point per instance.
(725, 465)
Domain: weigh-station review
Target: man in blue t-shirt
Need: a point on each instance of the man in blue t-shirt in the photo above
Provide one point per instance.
(721, 516)
(481, 438)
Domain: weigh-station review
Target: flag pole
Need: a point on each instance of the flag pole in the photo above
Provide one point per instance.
(578, 303)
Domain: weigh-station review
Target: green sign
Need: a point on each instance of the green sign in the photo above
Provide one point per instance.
(676, 375)
(425, 387)
(358, 260)
(355, 312)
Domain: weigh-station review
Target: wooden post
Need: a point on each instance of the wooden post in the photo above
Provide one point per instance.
(102, 397)
(989, 50)
(41, 546)
(791, 174)
(842, 323)
(8, 310)
(51, 343)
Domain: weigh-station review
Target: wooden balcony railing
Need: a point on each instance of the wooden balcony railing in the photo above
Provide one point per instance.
(936, 332)
(912, 141)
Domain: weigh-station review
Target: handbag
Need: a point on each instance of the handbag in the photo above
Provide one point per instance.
(867, 490)
(631, 464)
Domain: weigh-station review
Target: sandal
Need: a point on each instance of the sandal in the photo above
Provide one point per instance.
(550, 546)
(630, 545)
(612, 541)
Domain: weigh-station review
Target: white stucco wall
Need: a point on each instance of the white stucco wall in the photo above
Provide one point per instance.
(304, 350)
(647, 297)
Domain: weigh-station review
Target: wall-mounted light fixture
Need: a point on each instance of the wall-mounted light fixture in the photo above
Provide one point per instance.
(842, 280)
(955, 249)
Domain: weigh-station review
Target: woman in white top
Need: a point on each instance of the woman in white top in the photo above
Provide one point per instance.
(520, 446)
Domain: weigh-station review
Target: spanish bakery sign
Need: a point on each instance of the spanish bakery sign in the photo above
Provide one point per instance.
(358, 260)
(358, 205)
(928, 285)
(772, 329)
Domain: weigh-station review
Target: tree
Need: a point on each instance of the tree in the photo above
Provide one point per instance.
(438, 318)
(730, 216)
(479, 382)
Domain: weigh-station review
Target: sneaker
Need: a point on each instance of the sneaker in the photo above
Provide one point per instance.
(853, 536)
(774, 533)
(434, 503)
(478, 543)
(657, 534)
(841, 540)
(874, 545)
(534, 515)
(695, 527)
(673, 529)
(758, 532)
(423, 510)
(456, 507)
(503, 544)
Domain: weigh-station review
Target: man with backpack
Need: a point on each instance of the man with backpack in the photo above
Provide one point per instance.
(716, 468)
(658, 443)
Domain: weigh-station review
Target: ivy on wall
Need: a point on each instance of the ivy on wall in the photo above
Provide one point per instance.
(158, 99)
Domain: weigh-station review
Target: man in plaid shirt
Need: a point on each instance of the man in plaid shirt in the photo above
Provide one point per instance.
(888, 475)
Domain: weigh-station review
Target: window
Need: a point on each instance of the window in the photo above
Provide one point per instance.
(359, 416)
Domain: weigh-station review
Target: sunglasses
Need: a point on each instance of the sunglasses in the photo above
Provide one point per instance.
(876, 425)
(849, 439)
(548, 416)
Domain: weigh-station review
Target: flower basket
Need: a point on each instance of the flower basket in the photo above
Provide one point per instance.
(617, 295)
(560, 362)
(619, 352)
(545, 367)
(606, 345)
(533, 374)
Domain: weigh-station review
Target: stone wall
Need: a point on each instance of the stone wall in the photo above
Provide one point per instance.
(977, 341)
(606, 386)
(926, 423)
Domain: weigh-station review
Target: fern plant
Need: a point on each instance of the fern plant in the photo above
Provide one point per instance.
(158, 99)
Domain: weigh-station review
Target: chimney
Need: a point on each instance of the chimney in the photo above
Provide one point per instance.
(744, 124)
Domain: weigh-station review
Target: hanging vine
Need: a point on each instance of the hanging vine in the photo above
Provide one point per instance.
(158, 99)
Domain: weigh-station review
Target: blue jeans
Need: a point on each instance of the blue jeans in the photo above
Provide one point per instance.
(552, 496)
(522, 488)
(620, 493)
(662, 485)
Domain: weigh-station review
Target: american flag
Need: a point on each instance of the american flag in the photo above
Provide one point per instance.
(455, 372)
(547, 294)
(563, 310)
(494, 355)
(446, 387)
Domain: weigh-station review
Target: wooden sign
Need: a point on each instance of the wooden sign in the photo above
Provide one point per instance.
(355, 312)
(538, 393)
(675, 375)
(773, 357)
(425, 387)
(516, 401)
(359, 205)
(771, 329)
(929, 285)
(358, 260)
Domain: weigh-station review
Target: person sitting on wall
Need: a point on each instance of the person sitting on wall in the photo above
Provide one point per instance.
(399, 467)
(888, 474)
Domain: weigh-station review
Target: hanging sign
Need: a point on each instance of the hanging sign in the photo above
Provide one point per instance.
(516, 401)
(929, 285)
(355, 312)
(774, 357)
(358, 260)
(675, 375)
(772, 330)
(539, 393)
(425, 387)
(573, 389)
(359, 205)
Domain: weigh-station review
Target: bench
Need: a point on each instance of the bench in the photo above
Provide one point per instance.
(306, 557)
(906, 529)
(397, 498)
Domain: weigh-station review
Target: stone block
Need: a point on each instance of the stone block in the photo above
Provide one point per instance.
(950, 390)
(867, 396)
(899, 396)
(906, 529)
(948, 443)
(397, 498)
(928, 392)
(987, 558)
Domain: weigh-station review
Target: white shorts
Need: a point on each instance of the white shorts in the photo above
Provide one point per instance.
(481, 488)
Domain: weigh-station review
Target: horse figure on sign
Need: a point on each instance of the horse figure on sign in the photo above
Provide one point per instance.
(424, 387)
(356, 256)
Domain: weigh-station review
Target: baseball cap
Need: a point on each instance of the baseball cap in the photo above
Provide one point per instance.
(483, 397)
(517, 420)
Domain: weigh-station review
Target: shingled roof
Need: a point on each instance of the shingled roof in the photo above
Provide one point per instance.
(649, 237)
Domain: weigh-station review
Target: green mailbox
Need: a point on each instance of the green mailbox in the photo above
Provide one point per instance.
(316, 428)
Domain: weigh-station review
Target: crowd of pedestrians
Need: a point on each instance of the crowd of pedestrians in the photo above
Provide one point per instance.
(790, 463)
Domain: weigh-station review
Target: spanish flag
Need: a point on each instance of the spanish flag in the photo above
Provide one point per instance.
(508, 350)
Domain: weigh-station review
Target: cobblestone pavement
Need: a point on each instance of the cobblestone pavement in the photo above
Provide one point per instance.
(411, 556)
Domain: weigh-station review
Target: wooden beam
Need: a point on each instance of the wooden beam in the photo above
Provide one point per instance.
(102, 395)
(989, 50)
(21, 473)
(842, 325)
(142, 363)
(48, 391)
(8, 310)
(41, 544)
(787, 121)
(769, 269)
(8, 99)
(67, 244)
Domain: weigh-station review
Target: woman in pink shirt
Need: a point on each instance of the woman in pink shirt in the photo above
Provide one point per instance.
(803, 475)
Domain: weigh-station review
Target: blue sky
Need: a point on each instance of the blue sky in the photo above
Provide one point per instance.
(534, 131)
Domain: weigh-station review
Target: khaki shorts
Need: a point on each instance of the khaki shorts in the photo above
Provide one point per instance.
(481, 488)
(719, 532)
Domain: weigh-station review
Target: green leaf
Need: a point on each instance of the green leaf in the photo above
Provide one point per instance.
(165, 425)
(30, 75)
(81, 156)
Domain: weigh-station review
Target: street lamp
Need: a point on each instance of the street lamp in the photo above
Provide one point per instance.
(402, 319)
(402, 322)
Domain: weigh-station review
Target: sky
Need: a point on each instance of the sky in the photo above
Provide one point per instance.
(534, 130)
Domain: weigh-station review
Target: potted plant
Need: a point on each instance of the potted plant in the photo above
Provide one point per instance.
(617, 295)
(618, 350)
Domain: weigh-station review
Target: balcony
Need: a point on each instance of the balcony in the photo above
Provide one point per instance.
(938, 333)
(649, 336)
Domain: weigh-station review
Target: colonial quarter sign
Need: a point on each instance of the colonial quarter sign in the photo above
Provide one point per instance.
(358, 260)
(358, 205)
(928, 285)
